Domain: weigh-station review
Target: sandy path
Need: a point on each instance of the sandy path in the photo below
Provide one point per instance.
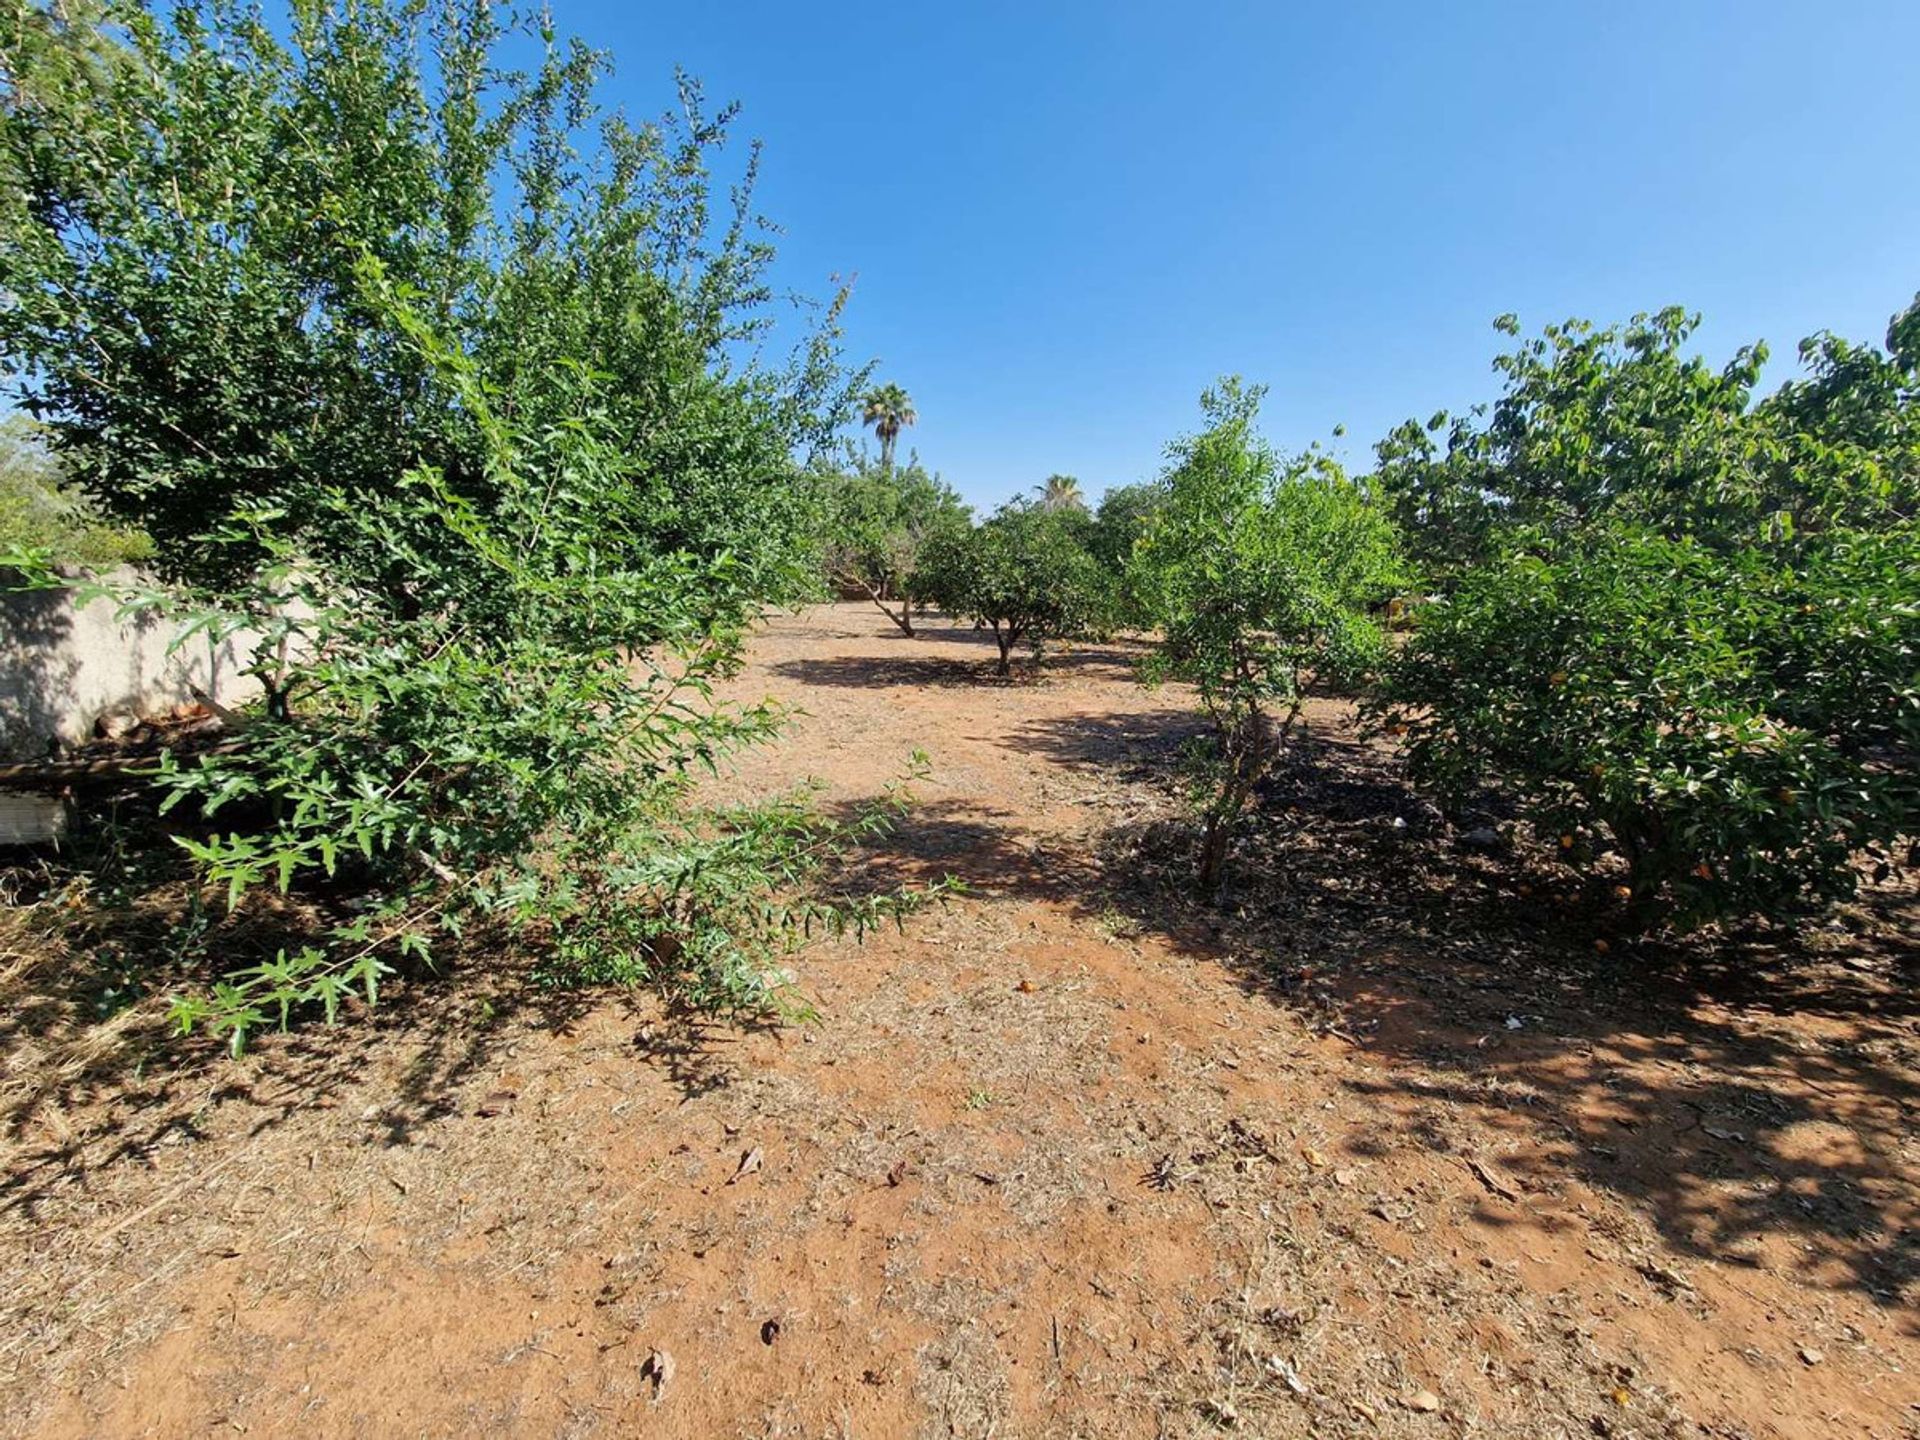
(1047, 1165)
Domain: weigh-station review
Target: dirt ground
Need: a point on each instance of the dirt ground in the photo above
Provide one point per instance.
(1385, 1146)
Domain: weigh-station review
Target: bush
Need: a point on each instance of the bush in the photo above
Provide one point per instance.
(1735, 728)
(42, 515)
(1260, 573)
(481, 463)
(1024, 574)
(1681, 623)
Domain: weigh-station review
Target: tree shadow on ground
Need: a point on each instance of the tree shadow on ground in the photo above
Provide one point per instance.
(866, 672)
(975, 843)
(874, 672)
(97, 1075)
(1752, 1093)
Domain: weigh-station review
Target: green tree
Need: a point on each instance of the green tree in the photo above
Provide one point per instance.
(187, 200)
(888, 409)
(876, 521)
(1118, 525)
(1024, 574)
(431, 374)
(1260, 572)
(1625, 424)
(1680, 620)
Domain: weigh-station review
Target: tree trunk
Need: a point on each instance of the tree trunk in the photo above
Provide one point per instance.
(904, 620)
(1005, 640)
(1213, 854)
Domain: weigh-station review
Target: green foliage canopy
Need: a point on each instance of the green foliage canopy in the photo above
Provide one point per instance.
(1025, 574)
(1682, 620)
(431, 375)
(1260, 572)
(875, 521)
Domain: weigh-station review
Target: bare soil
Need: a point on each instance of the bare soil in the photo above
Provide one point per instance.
(1381, 1145)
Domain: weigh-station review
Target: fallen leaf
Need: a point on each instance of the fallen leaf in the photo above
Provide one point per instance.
(1812, 1356)
(659, 1369)
(1486, 1175)
(749, 1163)
(1314, 1157)
(1288, 1374)
(1665, 1275)
(1425, 1401)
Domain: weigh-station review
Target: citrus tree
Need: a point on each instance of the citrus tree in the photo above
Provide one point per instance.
(1024, 574)
(1260, 571)
(875, 521)
(1680, 624)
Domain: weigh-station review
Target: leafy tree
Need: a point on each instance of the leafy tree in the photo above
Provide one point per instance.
(1685, 627)
(432, 376)
(1062, 492)
(1118, 524)
(1734, 725)
(187, 200)
(1261, 572)
(887, 408)
(1624, 424)
(875, 523)
(1024, 574)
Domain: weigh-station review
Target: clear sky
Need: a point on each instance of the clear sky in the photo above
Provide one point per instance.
(1065, 219)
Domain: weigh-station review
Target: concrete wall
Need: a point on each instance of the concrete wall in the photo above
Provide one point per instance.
(62, 666)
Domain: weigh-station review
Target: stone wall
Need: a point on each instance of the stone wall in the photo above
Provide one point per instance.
(62, 666)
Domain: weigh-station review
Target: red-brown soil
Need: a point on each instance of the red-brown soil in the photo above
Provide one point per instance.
(1377, 1147)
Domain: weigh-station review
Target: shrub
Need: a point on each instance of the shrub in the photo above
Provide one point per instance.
(1681, 623)
(1736, 728)
(483, 465)
(42, 514)
(1260, 572)
(1024, 574)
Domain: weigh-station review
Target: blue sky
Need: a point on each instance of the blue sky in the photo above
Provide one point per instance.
(1065, 219)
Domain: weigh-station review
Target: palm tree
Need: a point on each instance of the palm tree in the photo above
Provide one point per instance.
(1062, 492)
(886, 408)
